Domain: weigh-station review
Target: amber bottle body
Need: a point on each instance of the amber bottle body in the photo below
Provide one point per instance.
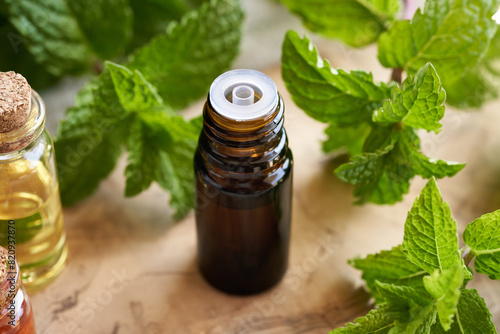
(243, 173)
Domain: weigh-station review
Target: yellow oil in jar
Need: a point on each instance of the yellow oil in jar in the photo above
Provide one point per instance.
(31, 221)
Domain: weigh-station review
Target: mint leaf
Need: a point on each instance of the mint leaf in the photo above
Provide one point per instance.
(388, 267)
(182, 63)
(176, 140)
(454, 36)
(377, 321)
(472, 316)
(351, 137)
(428, 167)
(133, 91)
(151, 17)
(355, 22)
(445, 288)
(51, 34)
(451, 35)
(118, 109)
(327, 94)
(404, 296)
(89, 141)
(106, 24)
(14, 56)
(381, 176)
(143, 159)
(480, 83)
(430, 238)
(483, 238)
(418, 103)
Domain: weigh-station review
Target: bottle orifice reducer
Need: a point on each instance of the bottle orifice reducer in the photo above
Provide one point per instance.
(243, 170)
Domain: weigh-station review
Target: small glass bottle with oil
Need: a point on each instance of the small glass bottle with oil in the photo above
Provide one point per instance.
(16, 313)
(243, 172)
(31, 222)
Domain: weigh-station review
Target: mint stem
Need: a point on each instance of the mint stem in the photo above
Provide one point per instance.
(397, 75)
(467, 255)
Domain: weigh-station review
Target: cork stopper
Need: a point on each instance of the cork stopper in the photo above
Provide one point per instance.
(15, 101)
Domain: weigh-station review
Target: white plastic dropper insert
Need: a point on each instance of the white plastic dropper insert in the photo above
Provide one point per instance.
(233, 95)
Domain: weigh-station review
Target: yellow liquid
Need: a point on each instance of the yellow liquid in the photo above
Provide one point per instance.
(30, 210)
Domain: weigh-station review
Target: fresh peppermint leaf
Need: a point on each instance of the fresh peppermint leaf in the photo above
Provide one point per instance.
(430, 238)
(388, 267)
(350, 137)
(483, 238)
(445, 286)
(453, 35)
(404, 296)
(382, 174)
(418, 103)
(14, 56)
(472, 316)
(355, 22)
(106, 24)
(51, 34)
(143, 159)
(176, 140)
(480, 83)
(377, 321)
(89, 141)
(134, 92)
(326, 94)
(428, 167)
(183, 62)
(151, 17)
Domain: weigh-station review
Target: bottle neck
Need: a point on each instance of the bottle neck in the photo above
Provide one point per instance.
(242, 147)
(17, 139)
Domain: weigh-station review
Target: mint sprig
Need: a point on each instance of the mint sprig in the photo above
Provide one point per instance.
(123, 108)
(376, 122)
(420, 287)
(355, 22)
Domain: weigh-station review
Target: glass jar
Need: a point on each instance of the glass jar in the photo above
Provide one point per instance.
(16, 314)
(243, 173)
(29, 199)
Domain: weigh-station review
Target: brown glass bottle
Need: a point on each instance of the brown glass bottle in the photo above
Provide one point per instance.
(243, 170)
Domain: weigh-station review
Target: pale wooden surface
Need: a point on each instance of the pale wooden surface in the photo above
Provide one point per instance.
(162, 292)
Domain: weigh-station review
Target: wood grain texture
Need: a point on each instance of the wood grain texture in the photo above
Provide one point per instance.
(132, 270)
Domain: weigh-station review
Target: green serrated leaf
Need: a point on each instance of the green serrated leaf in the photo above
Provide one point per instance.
(89, 141)
(418, 103)
(453, 35)
(430, 238)
(352, 138)
(445, 286)
(377, 321)
(472, 316)
(143, 159)
(106, 24)
(428, 167)
(404, 296)
(326, 94)
(133, 91)
(388, 267)
(480, 83)
(183, 62)
(51, 34)
(151, 17)
(355, 22)
(14, 56)
(483, 238)
(380, 177)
